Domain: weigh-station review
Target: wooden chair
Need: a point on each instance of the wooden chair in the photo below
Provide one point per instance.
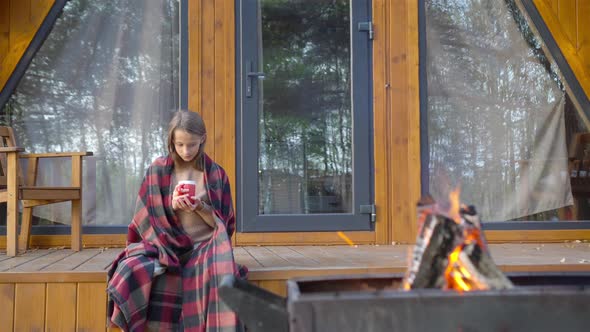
(13, 189)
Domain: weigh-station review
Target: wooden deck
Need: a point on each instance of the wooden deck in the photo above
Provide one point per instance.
(284, 262)
(62, 290)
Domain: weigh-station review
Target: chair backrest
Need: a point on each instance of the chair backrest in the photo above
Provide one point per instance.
(579, 164)
(6, 140)
(580, 142)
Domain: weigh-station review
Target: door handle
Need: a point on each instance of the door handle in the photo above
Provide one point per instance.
(250, 77)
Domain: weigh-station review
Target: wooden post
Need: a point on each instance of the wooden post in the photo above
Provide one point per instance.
(12, 204)
(77, 204)
(27, 218)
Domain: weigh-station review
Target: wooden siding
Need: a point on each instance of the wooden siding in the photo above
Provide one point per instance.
(53, 306)
(19, 21)
(568, 22)
(211, 80)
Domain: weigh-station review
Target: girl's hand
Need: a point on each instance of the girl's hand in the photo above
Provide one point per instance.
(180, 200)
(199, 204)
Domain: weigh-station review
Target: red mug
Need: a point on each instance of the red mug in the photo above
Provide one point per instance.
(192, 189)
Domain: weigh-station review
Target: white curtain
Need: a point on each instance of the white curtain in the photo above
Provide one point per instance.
(495, 111)
(105, 80)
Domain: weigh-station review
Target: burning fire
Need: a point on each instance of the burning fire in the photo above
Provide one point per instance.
(460, 274)
(457, 273)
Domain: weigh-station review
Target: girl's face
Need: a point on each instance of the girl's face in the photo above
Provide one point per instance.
(187, 144)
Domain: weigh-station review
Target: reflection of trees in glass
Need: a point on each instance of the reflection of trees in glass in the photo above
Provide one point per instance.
(305, 122)
(491, 92)
(105, 80)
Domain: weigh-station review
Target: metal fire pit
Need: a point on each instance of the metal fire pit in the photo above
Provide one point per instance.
(539, 302)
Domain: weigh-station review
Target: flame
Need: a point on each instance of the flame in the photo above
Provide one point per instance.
(455, 203)
(406, 285)
(346, 239)
(457, 275)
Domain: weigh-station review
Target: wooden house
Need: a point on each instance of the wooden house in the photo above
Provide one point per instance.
(327, 116)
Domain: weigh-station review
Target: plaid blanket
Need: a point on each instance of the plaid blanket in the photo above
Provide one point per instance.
(184, 297)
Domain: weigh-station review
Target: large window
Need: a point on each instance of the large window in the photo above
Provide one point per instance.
(304, 115)
(105, 80)
(503, 122)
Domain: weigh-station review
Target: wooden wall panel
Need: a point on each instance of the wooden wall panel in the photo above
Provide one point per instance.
(381, 120)
(208, 71)
(583, 19)
(566, 13)
(570, 28)
(554, 4)
(7, 306)
(278, 287)
(194, 50)
(53, 306)
(225, 108)
(20, 20)
(211, 83)
(91, 307)
(61, 307)
(29, 307)
(4, 29)
(404, 122)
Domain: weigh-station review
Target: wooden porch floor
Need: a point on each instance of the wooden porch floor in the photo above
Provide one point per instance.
(283, 262)
(62, 290)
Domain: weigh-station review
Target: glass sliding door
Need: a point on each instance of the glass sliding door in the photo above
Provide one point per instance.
(304, 117)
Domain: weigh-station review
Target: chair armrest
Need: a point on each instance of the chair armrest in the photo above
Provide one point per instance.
(11, 149)
(55, 154)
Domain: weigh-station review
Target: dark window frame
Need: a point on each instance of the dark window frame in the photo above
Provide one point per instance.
(21, 68)
(568, 77)
(248, 219)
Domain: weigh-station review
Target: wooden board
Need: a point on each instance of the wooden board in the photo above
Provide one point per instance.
(41, 262)
(20, 21)
(583, 45)
(7, 303)
(566, 12)
(73, 261)
(91, 313)
(4, 30)
(29, 307)
(404, 124)
(381, 120)
(15, 262)
(99, 262)
(569, 27)
(194, 56)
(208, 72)
(61, 307)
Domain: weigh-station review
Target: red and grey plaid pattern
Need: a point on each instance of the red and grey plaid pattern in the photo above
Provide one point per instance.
(185, 297)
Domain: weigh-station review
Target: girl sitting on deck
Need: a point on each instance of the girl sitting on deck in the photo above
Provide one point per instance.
(178, 247)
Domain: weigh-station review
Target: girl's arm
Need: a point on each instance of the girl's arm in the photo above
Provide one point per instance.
(206, 212)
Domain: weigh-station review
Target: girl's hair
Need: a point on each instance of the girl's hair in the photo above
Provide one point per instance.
(192, 123)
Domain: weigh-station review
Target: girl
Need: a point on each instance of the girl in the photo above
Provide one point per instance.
(178, 247)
